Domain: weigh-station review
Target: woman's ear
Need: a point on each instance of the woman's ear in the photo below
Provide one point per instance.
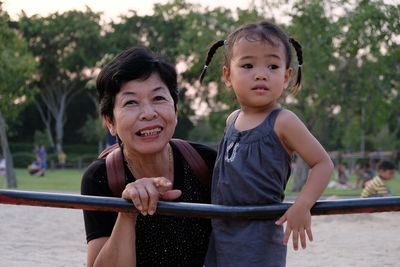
(227, 76)
(109, 125)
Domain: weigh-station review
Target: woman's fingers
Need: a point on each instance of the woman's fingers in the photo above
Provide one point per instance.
(171, 194)
(146, 192)
(131, 193)
(154, 195)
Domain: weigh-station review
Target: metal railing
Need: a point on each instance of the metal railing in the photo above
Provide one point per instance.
(274, 211)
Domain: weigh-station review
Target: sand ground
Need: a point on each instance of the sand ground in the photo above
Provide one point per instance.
(49, 237)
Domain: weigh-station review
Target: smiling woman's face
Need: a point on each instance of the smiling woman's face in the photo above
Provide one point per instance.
(144, 115)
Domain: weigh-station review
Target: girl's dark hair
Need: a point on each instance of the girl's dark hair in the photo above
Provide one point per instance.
(136, 63)
(261, 31)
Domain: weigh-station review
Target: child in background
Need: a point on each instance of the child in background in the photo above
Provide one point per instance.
(377, 187)
(253, 164)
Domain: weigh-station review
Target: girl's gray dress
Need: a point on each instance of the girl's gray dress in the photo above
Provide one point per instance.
(252, 168)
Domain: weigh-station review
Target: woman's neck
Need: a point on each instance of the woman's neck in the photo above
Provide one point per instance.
(151, 165)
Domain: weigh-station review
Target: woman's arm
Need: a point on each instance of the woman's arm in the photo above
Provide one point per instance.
(117, 250)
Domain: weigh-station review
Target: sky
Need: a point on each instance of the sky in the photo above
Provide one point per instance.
(111, 9)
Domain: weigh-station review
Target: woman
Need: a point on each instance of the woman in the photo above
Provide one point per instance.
(138, 102)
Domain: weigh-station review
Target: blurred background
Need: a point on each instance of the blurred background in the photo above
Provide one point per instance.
(51, 52)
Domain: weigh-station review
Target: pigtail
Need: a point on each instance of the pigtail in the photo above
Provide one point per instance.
(210, 55)
(299, 52)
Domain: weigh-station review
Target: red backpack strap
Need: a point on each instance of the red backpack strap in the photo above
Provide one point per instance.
(196, 162)
(107, 151)
(115, 171)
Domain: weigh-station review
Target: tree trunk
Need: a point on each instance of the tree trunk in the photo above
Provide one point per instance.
(47, 122)
(10, 172)
(300, 174)
(60, 121)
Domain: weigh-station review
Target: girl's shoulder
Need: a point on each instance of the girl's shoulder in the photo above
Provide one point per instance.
(287, 122)
(285, 113)
(286, 118)
(231, 118)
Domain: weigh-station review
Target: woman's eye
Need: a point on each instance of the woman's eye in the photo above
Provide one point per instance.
(159, 98)
(247, 66)
(130, 102)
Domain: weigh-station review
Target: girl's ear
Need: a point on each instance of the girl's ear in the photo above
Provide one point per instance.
(110, 125)
(288, 74)
(227, 76)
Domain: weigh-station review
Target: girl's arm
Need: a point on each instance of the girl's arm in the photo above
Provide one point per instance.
(297, 138)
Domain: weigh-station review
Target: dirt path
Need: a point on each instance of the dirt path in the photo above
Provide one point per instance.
(49, 237)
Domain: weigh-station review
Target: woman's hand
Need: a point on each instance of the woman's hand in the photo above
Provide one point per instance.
(298, 220)
(145, 193)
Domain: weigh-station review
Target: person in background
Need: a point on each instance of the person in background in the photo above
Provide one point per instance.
(253, 163)
(41, 158)
(377, 187)
(342, 176)
(62, 159)
(364, 173)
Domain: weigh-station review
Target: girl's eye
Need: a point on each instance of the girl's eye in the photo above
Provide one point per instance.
(273, 67)
(247, 66)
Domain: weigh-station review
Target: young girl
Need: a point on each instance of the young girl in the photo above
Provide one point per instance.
(253, 163)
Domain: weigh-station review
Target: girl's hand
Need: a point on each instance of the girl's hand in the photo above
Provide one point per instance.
(145, 193)
(298, 220)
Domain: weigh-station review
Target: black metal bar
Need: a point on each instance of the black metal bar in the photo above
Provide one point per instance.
(75, 201)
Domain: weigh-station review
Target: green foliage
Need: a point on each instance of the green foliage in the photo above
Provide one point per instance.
(350, 71)
(23, 159)
(16, 66)
(40, 137)
(67, 47)
(351, 136)
(93, 130)
(384, 139)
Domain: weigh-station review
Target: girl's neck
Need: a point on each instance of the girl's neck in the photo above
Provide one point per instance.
(256, 111)
(250, 118)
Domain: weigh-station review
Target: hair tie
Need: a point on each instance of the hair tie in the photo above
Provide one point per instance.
(300, 65)
(225, 42)
(205, 67)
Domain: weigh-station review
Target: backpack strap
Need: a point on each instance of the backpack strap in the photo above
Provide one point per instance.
(116, 170)
(107, 151)
(196, 162)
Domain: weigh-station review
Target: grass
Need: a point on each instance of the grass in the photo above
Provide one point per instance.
(394, 186)
(69, 180)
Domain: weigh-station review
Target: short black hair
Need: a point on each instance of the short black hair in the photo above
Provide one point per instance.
(386, 165)
(136, 63)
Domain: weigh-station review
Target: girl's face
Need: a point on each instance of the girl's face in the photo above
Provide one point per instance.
(257, 73)
(144, 115)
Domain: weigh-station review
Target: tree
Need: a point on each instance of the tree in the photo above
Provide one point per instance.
(16, 67)
(67, 46)
(369, 64)
(318, 98)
